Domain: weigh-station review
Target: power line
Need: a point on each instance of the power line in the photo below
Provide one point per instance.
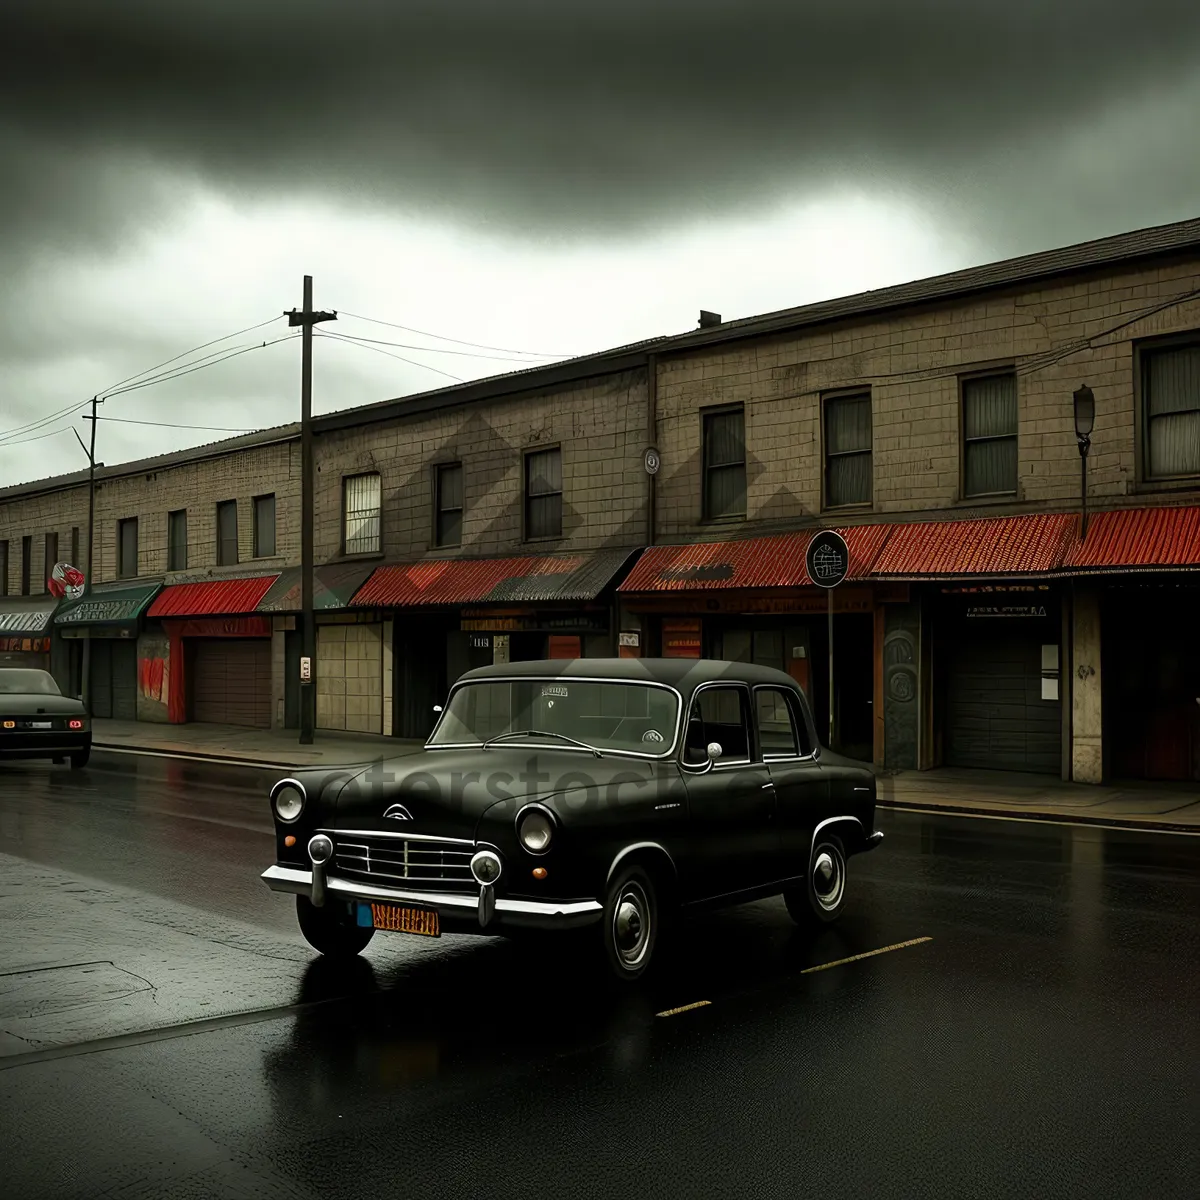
(457, 341)
(41, 422)
(411, 362)
(37, 437)
(193, 350)
(437, 350)
(191, 370)
(174, 425)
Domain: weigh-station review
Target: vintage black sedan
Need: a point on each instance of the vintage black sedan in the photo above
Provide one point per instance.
(604, 793)
(38, 721)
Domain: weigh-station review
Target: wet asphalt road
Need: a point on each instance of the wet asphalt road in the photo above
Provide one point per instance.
(164, 1031)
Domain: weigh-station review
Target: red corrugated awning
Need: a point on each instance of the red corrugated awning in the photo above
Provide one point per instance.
(212, 598)
(545, 578)
(1138, 538)
(763, 562)
(1000, 546)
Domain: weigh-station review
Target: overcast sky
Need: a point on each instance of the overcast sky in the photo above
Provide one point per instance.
(542, 176)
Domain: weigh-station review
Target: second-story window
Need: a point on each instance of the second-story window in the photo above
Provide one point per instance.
(1171, 411)
(543, 493)
(177, 554)
(26, 563)
(227, 533)
(362, 497)
(264, 526)
(4, 568)
(989, 424)
(50, 557)
(127, 548)
(724, 435)
(848, 475)
(448, 504)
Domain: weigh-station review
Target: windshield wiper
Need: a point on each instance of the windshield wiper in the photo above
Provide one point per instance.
(518, 733)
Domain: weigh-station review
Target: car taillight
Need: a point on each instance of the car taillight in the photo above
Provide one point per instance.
(75, 724)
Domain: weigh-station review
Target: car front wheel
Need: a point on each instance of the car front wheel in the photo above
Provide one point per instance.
(331, 931)
(631, 923)
(822, 896)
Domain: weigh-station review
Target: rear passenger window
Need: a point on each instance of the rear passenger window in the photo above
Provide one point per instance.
(718, 715)
(776, 725)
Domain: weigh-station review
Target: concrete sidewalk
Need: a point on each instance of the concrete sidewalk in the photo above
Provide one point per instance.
(1165, 806)
(1171, 807)
(277, 748)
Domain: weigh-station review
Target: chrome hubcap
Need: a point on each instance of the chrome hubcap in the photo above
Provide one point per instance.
(631, 925)
(829, 877)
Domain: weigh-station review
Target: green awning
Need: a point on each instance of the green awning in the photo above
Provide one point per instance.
(114, 608)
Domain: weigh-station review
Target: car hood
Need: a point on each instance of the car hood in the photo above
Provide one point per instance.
(445, 792)
(32, 704)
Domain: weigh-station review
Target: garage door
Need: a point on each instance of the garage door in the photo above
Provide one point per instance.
(995, 715)
(231, 681)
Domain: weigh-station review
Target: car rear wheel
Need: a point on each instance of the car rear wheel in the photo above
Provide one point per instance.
(331, 931)
(79, 758)
(631, 923)
(821, 898)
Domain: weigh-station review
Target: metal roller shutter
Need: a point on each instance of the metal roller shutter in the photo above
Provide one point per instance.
(100, 680)
(231, 681)
(124, 679)
(995, 715)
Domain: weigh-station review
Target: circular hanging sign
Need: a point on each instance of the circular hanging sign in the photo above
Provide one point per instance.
(66, 582)
(652, 461)
(828, 558)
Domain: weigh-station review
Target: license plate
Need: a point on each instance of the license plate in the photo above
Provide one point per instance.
(41, 724)
(421, 921)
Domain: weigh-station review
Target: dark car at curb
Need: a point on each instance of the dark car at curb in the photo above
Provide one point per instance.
(601, 794)
(38, 721)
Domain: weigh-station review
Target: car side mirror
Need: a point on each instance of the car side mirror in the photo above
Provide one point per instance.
(714, 751)
(437, 708)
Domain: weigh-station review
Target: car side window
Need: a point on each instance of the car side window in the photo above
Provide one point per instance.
(776, 723)
(718, 714)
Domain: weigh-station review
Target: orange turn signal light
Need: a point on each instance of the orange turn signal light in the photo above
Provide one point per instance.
(10, 724)
(539, 872)
(290, 840)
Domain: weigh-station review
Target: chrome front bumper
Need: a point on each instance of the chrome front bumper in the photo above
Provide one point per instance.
(466, 912)
(874, 839)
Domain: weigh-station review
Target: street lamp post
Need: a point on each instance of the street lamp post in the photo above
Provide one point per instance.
(1085, 419)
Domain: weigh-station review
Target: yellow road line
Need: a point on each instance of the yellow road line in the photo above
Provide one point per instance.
(866, 954)
(673, 1012)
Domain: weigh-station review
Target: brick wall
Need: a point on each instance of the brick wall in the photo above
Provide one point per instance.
(600, 427)
(1056, 337)
(149, 496)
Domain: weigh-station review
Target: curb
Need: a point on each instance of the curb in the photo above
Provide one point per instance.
(1048, 816)
(225, 760)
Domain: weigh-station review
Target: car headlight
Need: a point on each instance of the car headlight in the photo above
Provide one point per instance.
(287, 798)
(485, 866)
(535, 830)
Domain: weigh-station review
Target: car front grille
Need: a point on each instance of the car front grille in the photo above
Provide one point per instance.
(419, 863)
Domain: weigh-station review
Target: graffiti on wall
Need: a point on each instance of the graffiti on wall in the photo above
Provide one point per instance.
(154, 677)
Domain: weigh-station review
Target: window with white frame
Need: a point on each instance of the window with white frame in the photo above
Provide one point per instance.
(1171, 411)
(362, 497)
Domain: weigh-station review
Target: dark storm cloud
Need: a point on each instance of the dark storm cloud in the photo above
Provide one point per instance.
(532, 116)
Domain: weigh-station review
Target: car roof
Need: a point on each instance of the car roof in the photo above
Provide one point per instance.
(683, 674)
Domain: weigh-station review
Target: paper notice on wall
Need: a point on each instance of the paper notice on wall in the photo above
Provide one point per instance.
(500, 648)
(1049, 687)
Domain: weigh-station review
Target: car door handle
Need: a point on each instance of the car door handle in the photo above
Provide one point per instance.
(765, 786)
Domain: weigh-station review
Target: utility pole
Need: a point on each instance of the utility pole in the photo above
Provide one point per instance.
(90, 451)
(308, 632)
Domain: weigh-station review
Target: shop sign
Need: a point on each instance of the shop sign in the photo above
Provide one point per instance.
(629, 639)
(65, 582)
(580, 623)
(25, 645)
(681, 639)
(29, 621)
(1006, 610)
(220, 627)
(95, 612)
(800, 603)
(827, 559)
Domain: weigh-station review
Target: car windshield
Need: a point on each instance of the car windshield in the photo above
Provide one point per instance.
(605, 715)
(20, 681)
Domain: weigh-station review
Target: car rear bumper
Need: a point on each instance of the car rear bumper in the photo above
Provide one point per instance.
(457, 913)
(50, 743)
